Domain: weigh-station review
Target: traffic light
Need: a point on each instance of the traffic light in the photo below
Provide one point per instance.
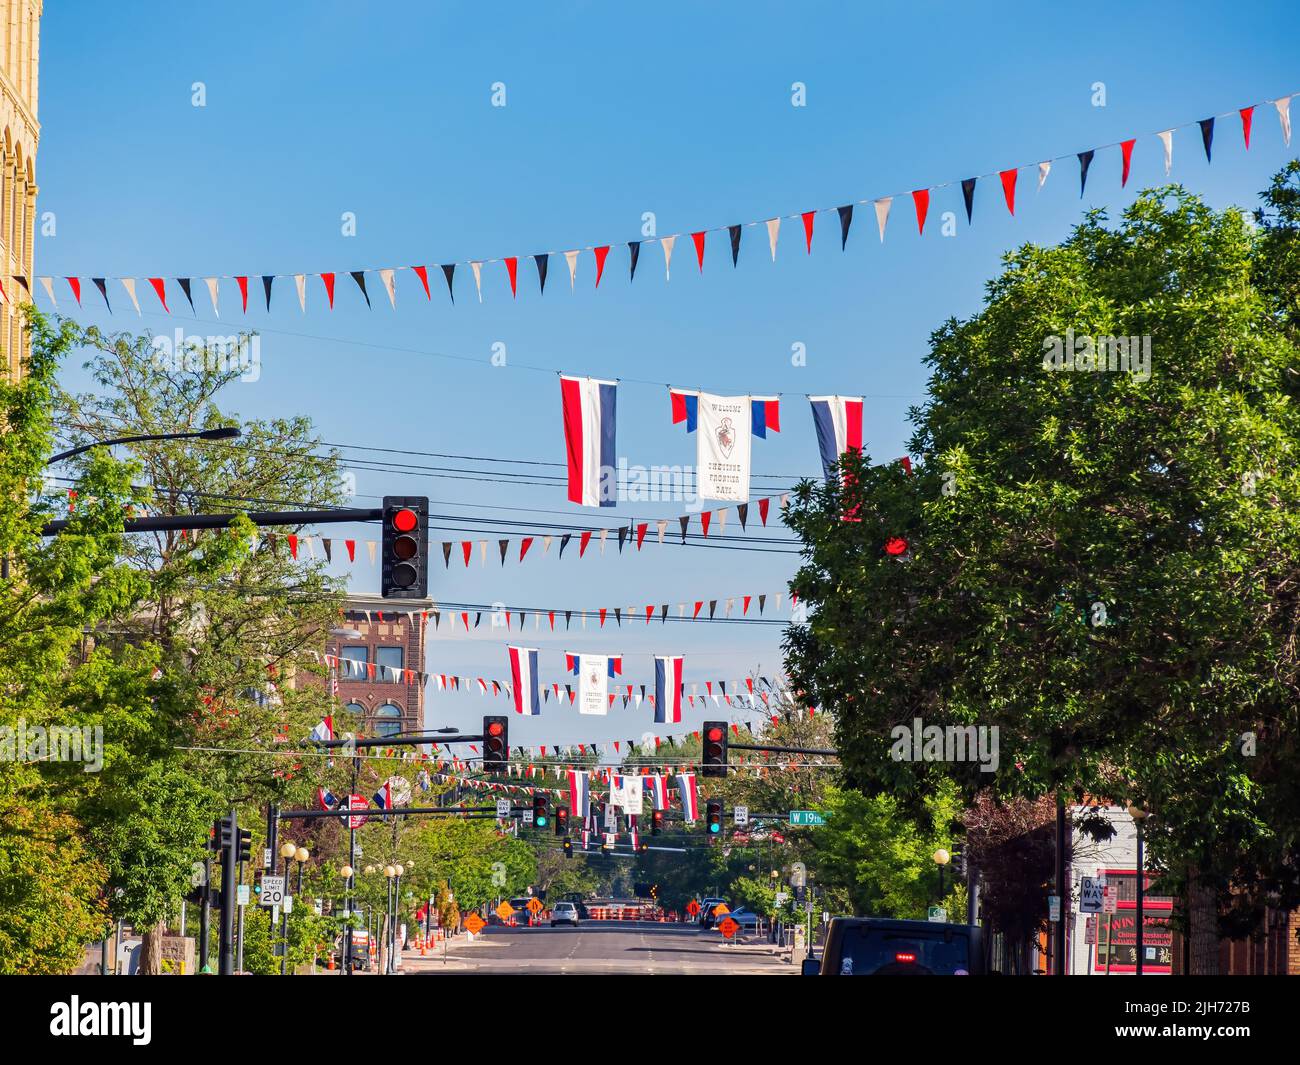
(223, 836)
(568, 847)
(642, 846)
(561, 820)
(713, 817)
(405, 570)
(541, 810)
(715, 749)
(496, 744)
(244, 846)
(656, 822)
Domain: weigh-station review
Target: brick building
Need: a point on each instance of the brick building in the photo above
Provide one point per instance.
(20, 38)
(382, 639)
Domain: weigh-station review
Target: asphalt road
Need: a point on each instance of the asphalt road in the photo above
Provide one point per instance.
(602, 948)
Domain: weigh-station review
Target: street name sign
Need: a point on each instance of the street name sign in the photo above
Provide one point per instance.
(806, 817)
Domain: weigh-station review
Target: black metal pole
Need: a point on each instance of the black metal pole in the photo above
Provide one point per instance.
(205, 912)
(351, 881)
(1062, 889)
(239, 927)
(284, 927)
(1137, 970)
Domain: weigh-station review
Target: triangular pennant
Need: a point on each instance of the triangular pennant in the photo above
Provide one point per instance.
(1284, 116)
(74, 283)
(477, 267)
(1009, 188)
(242, 282)
(328, 281)
(542, 261)
(1085, 161)
(773, 230)
(449, 273)
(159, 287)
(359, 276)
(422, 272)
(1044, 168)
(634, 255)
(668, 243)
(512, 268)
(968, 196)
(1167, 139)
(600, 254)
(1207, 135)
(742, 511)
(102, 285)
(128, 283)
(684, 520)
(846, 220)
(267, 281)
(882, 214)
(808, 218)
(571, 257)
(698, 239)
(387, 277)
(733, 232)
(300, 280)
(921, 201)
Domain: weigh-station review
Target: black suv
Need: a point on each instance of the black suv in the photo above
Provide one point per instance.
(872, 946)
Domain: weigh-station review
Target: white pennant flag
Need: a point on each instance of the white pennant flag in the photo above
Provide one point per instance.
(546, 543)
(478, 279)
(1284, 116)
(721, 515)
(370, 548)
(668, 243)
(661, 525)
(882, 214)
(1043, 170)
(49, 290)
(1167, 139)
(128, 283)
(571, 257)
(604, 535)
(301, 281)
(482, 553)
(386, 276)
(773, 228)
(212, 291)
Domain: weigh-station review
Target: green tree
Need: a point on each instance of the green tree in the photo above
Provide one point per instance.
(1104, 566)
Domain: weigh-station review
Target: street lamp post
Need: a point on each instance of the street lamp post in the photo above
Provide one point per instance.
(225, 432)
(941, 858)
(347, 872)
(287, 851)
(1139, 816)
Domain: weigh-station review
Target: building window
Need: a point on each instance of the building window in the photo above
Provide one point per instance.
(388, 720)
(355, 709)
(359, 654)
(388, 656)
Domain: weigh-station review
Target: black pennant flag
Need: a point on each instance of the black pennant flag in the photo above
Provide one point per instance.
(846, 220)
(449, 272)
(359, 276)
(713, 605)
(685, 520)
(477, 618)
(1085, 161)
(446, 554)
(325, 543)
(618, 616)
(762, 601)
(742, 509)
(663, 613)
(184, 282)
(968, 195)
(564, 542)
(504, 545)
(734, 232)
(622, 536)
(267, 279)
(568, 615)
(1207, 135)
(634, 248)
(103, 291)
(541, 261)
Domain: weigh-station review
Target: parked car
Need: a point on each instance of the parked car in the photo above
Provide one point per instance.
(870, 946)
(564, 913)
(743, 916)
(706, 917)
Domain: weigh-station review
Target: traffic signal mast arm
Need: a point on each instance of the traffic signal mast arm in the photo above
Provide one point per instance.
(780, 750)
(176, 522)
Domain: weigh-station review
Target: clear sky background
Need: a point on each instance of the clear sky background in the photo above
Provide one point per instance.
(684, 110)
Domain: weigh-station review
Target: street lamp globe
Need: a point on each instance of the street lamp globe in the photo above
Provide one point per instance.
(389, 871)
(288, 850)
(370, 869)
(302, 854)
(346, 872)
(942, 857)
(399, 870)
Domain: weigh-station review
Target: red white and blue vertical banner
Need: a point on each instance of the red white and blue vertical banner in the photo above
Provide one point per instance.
(384, 796)
(579, 795)
(690, 798)
(589, 415)
(523, 677)
(668, 689)
(723, 426)
(838, 420)
(326, 799)
(324, 730)
(594, 673)
(658, 787)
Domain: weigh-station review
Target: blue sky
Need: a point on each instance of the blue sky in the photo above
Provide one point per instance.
(682, 110)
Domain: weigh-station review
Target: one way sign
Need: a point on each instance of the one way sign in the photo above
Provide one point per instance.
(1090, 894)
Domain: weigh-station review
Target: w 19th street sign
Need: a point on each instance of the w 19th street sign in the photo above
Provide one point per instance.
(806, 817)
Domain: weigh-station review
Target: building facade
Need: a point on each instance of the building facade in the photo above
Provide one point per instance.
(377, 642)
(20, 38)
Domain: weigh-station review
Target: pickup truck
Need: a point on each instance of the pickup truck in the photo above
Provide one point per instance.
(872, 946)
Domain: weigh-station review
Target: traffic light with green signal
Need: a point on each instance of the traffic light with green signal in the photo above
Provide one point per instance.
(541, 810)
(713, 817)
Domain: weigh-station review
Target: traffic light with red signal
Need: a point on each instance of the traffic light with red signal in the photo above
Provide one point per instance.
(496, 744)
(561, 820)
(713, 817)
(715, 749)
(541, 810)
(404, 573)
(656, 822)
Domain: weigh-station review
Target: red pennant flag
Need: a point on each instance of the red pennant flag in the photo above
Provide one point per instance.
(243, 291)
(808, 217)
(524, 545)
(640, 533)
(551, 614)
(512, 268)
(600, 262)
(762, 509)
(293, 545)
(1009, 188)
(1247, 113)
(705, 517)
(698, 605)
(74, 283)
(602, 617)
(745, 609)
(466, 547)
(582, 545)
(649, 610)
(464, 619)
(1126, 150)
(422, 272)
(351, 545)
(159, 286)
(699, 248)
(921, 200)
(329, 287)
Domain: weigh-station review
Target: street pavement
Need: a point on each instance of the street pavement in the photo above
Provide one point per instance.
(602, 948)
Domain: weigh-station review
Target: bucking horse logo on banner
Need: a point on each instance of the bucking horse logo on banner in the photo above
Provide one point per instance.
(726, 435)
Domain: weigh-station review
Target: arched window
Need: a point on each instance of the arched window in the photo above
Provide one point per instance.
(355, 709)
(388, 720)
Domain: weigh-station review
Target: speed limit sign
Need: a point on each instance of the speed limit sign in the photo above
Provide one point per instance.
(272, 891)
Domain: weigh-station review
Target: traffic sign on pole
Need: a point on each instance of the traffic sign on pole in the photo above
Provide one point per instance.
(1090, 894)
(503, 807)
(741, 815)
(272, 891)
